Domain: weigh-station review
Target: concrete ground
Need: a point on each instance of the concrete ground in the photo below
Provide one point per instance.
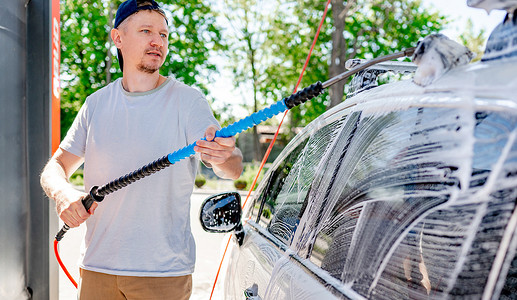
(208, 245)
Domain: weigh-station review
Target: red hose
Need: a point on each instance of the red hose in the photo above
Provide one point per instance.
(62, 265)
(264, 159)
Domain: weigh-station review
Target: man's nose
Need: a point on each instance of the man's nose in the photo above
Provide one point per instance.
(157, 40)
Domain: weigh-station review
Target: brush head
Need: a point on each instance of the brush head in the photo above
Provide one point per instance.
(489, 5)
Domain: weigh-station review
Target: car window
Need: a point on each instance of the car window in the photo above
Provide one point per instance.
(275, 182)
(404, 210)
(283, 194)
(263, 207)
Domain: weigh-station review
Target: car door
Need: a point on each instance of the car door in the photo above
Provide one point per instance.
(427, 209)
(265, 263)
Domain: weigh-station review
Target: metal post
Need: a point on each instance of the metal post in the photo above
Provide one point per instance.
(13, 148)
(27, 267)
(42, 268)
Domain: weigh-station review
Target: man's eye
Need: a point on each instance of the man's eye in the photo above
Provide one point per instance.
(145, 30)
(163, 35)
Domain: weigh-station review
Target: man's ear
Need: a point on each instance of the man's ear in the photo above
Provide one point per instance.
(115, 36)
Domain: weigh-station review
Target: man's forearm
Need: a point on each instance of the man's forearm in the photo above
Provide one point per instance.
(55, 183)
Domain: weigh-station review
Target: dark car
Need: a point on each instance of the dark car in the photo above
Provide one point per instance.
(400, 192)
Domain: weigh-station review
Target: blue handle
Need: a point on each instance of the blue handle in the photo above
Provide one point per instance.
(252, 120)
(233, 129)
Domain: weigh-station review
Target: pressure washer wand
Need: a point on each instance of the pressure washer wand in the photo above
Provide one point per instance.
(408, 52)
(97, 194)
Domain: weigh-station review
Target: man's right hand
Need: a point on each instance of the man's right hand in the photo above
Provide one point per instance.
(73, 212)
(54, 181)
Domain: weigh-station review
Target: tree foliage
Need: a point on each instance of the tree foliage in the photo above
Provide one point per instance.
(266, 44)
(84, 54)
(370, 29)
(474, 41)
(352, 29)
(247, 53)
(88, 57)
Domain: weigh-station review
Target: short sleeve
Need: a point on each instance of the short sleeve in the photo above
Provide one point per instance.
(199, 118)
(75, 139)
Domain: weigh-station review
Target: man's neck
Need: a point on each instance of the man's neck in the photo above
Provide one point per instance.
(141, 82)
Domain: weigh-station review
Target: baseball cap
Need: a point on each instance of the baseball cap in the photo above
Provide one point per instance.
(130, 7)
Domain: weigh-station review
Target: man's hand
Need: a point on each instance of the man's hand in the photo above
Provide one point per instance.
(215, 151)
(55, 184)
(71, 209)
(220, 153)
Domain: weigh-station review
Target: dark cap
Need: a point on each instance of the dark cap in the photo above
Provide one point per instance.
(130, 7)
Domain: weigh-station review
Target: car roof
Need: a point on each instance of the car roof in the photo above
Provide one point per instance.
(490, 85)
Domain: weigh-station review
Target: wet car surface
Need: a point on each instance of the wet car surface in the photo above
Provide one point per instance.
(400, 192)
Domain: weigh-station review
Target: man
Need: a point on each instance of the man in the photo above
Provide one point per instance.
(138, 242)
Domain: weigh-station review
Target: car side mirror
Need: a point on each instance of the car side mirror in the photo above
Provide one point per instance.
(221, 212)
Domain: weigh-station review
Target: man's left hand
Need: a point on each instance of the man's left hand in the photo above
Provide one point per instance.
(215, 150)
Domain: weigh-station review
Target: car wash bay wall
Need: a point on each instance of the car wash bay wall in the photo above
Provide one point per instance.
(27, 267)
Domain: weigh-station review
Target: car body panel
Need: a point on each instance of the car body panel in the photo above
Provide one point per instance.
(260, 263)
(399, 192)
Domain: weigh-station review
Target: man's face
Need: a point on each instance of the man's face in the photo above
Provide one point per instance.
(143, 40)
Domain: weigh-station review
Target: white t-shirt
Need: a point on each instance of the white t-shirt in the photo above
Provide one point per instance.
(142, 229)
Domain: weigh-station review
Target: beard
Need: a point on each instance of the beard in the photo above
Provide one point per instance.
(147, 68)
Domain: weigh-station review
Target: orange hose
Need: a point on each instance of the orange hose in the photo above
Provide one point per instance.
(274, 138)
(63, 265)
(220, 265)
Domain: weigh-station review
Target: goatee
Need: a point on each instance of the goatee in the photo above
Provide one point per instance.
(147, 69)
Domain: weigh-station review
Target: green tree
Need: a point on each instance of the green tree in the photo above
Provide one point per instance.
(84, 54)
(290, 38)
(355, 28)
(474, 41)
(248, 22)
(88, 57)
